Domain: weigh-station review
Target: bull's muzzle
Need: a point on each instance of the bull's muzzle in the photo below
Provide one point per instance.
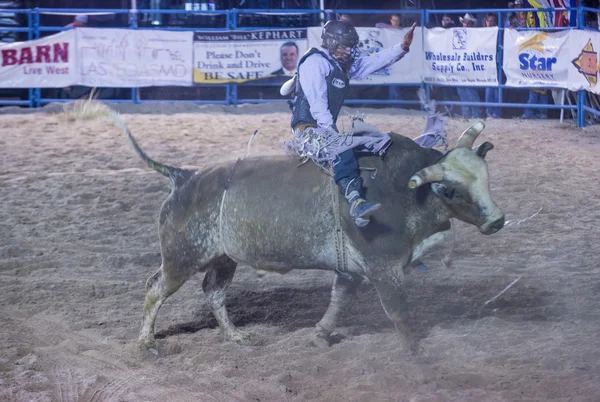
(492, 227)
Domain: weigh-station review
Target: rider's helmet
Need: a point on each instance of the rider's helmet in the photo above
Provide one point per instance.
(336, 33)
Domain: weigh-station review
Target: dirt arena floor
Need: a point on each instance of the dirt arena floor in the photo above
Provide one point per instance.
(78, 241)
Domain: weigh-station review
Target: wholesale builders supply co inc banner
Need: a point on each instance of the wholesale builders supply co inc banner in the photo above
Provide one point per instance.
(459, 56)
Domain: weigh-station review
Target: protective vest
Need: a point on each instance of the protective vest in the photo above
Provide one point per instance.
(337, 86)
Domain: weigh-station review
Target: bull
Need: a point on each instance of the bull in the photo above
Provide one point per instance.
(271, 214)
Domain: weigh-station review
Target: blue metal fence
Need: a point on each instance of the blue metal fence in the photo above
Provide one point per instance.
(231, 20)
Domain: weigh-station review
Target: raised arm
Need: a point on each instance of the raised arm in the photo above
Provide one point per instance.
(364, 66)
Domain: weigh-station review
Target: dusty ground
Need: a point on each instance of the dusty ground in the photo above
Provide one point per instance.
(79, 239)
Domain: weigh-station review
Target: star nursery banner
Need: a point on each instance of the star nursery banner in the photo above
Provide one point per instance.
(565, 59)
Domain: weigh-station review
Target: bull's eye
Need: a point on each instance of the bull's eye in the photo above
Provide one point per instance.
(450, 193)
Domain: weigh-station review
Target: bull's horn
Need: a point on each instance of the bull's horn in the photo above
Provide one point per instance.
(427, 175)
(467, 138)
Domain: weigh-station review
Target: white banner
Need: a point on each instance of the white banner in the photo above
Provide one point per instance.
(134, 58)
(536, 59)
(258, 56)
(460, 56)
(42, 63)
(583, 55)
(565, 59)
(373, 40)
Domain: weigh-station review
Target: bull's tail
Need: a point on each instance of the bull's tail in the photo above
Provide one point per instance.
(90, 109)
(176, 175)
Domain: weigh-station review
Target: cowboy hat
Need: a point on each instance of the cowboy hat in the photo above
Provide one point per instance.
(468, 17)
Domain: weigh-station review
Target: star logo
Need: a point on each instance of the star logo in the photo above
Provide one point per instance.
(587, 63)
(536, 42)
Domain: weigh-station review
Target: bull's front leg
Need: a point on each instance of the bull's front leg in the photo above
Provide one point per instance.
(390, 288)
(342, 292)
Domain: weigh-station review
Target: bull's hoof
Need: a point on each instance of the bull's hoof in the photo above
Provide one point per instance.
(412, 347)
(321, 340)
(239, 337)
(149, 345)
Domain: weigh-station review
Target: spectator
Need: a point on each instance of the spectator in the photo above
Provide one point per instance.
(80, 21)
(491, 93)
(395, 22)
(289, 59)
(346, 17)
(537, 97)
(449, 93)
(469, 94)
(517, 19)
(448, 21)
(468, 21)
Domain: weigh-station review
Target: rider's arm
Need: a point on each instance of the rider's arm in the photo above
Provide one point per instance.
(312, 73)
(364, 66)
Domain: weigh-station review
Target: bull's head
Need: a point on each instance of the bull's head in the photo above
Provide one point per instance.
(460, 179)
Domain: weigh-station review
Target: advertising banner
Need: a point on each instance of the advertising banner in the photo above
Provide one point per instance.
(273, 55)
(134, 58)
(565, 59)
(49, 62)
(583, 54)
(460, 56)
(535, 59)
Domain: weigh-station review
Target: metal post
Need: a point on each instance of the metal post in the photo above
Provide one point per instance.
(322, 7)
(36, 92)
(581, 95)
(562, 102)
(30, 37)
(500, 56)
(427, 86)
(133, 25)
(581, 100)
(234, 98)
(233, 19)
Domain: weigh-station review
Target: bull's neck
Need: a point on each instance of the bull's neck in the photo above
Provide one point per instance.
(440, 218)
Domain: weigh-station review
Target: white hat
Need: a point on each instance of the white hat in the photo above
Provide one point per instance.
(468, 17)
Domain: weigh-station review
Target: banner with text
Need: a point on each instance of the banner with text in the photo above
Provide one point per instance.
(374, 40)
(257, 56)
(565, 59)
(134, 58)
(460, 56)
(42, 63)
(536, 59)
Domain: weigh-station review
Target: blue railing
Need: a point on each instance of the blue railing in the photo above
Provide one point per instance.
(231, 21)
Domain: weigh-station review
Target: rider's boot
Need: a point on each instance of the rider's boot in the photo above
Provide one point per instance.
(360, 209)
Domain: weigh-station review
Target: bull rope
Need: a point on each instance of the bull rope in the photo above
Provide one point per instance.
(340, 247)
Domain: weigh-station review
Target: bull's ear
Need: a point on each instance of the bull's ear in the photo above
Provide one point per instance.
(483, 149)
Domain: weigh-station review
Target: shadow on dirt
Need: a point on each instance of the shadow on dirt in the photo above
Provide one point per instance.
(430, 305)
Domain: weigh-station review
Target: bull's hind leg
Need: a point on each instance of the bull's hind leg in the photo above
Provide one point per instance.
(342, 292)
(216, 281)
(166, 281)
